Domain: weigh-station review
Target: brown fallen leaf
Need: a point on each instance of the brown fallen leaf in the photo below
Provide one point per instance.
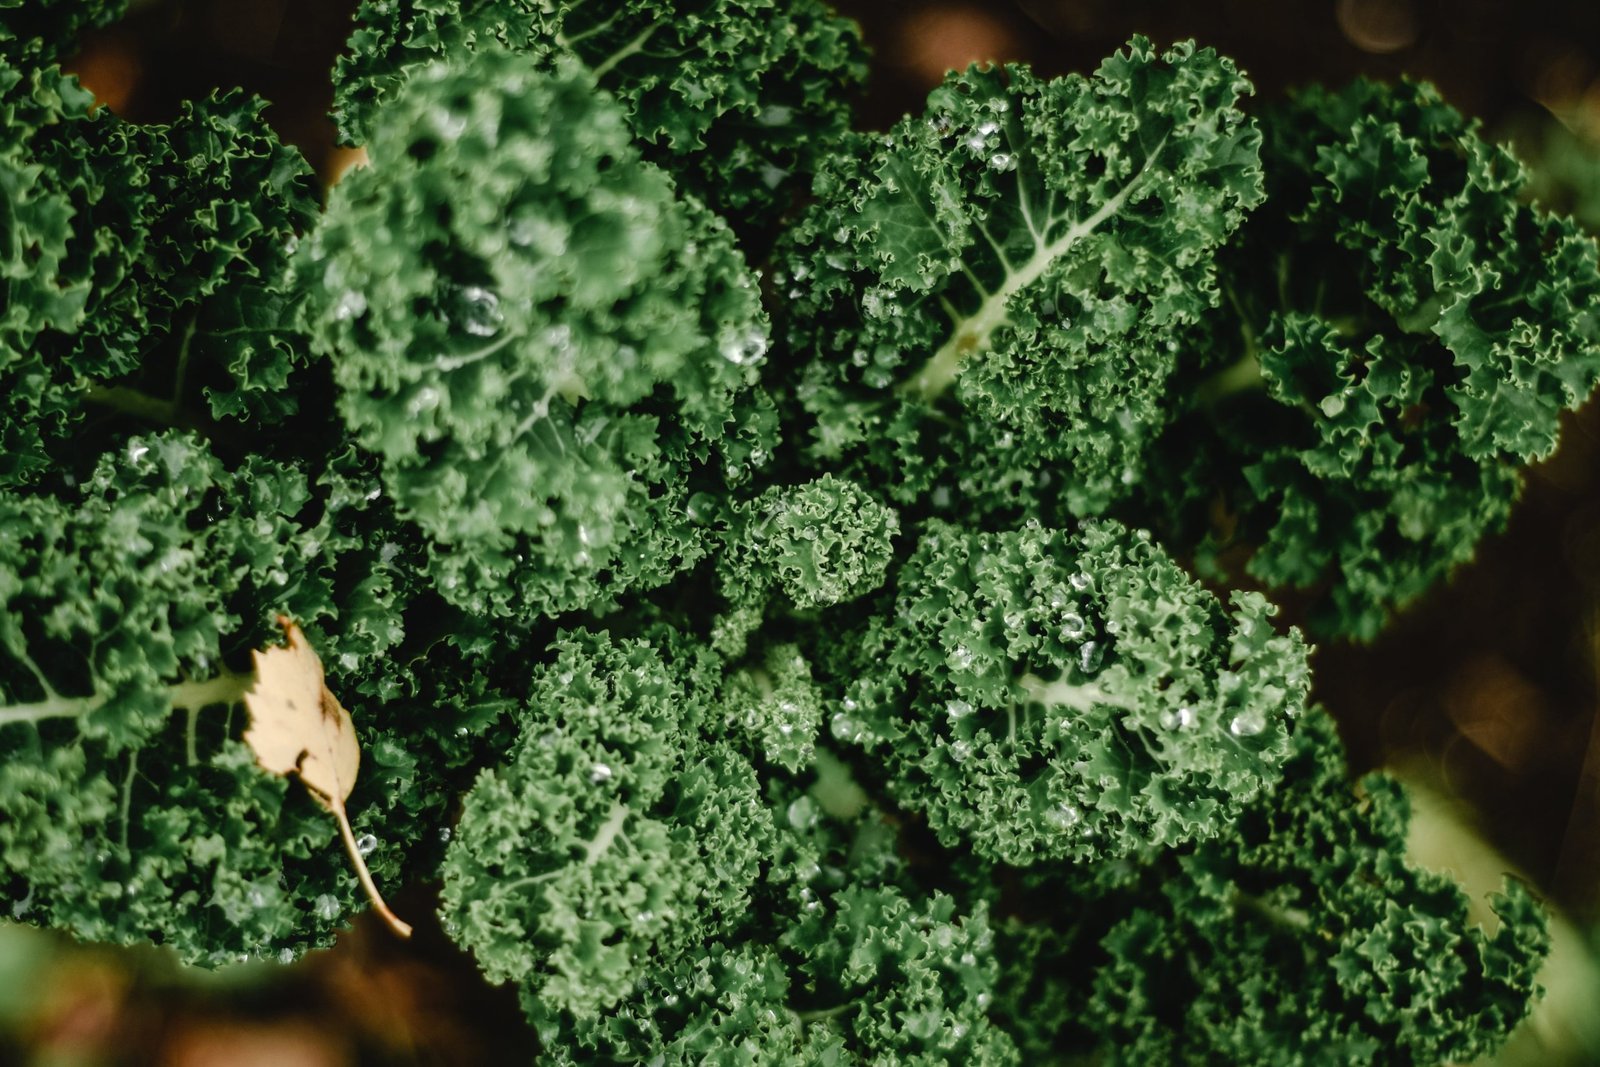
(297, 726)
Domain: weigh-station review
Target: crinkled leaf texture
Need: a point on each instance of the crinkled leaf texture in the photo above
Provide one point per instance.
(984, 300)
(1401, 336)
(799, 548)
(129, 811)
(161, 259)
(1046, 696)
(736, 98)
(547, 347)
(1305, 937)
(614, 839)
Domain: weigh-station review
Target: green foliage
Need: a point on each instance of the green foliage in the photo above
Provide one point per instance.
(147, 269)
(985, 297)
(38, 31)
(801, 547)
(737, 98)
(841, 960)
(128, 811)
(614, 838)
(1042, 696)
(1401, 335)
(544, 344)
(1341, 951)
(820, 705)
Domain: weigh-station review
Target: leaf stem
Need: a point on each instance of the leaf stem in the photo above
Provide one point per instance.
(636, 45)
(973, 333)
(398, 925)
(226, 688)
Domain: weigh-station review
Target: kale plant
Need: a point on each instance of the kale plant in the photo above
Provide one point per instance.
(756, 565)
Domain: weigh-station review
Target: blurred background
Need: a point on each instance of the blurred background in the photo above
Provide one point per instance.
(1484, 696)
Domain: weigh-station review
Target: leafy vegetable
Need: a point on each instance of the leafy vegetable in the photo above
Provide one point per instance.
(613, 839)
(987, 296)
(1040, 696)
(1403, 334)
(796, 696)
(1342, 951)
(737, 98)
(550, 369)
(150, 262)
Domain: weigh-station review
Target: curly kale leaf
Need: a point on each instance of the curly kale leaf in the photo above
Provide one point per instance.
(1401, 336)
(161, 251)
(614, 839)
(549, 350)
(36, 32)
(987, 295)
(129, 811)
(773, 709)
(807, 547)
(1045, 696)
(736, 98)
(1338, 950)
(842, 959)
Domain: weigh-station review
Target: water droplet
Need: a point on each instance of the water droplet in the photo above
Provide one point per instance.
(1002, 161)
(1079, 581)
(1090, 656)
(445, 834)
(366, 844)
(285, 956)
(137, 450)
(961, 751)
(1072, 626)
(670, 1000)
(1247, 724)
(802, 814)
(956, 710)
(350, 304)
(425, 399)
(478, 310)
(961, 658)
(745, 349)
(326, 907)
(600, 772)
(1177, 720)
(1064, 815)
(845, 728)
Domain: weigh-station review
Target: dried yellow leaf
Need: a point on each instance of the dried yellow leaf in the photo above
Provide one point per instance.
(298, 727)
